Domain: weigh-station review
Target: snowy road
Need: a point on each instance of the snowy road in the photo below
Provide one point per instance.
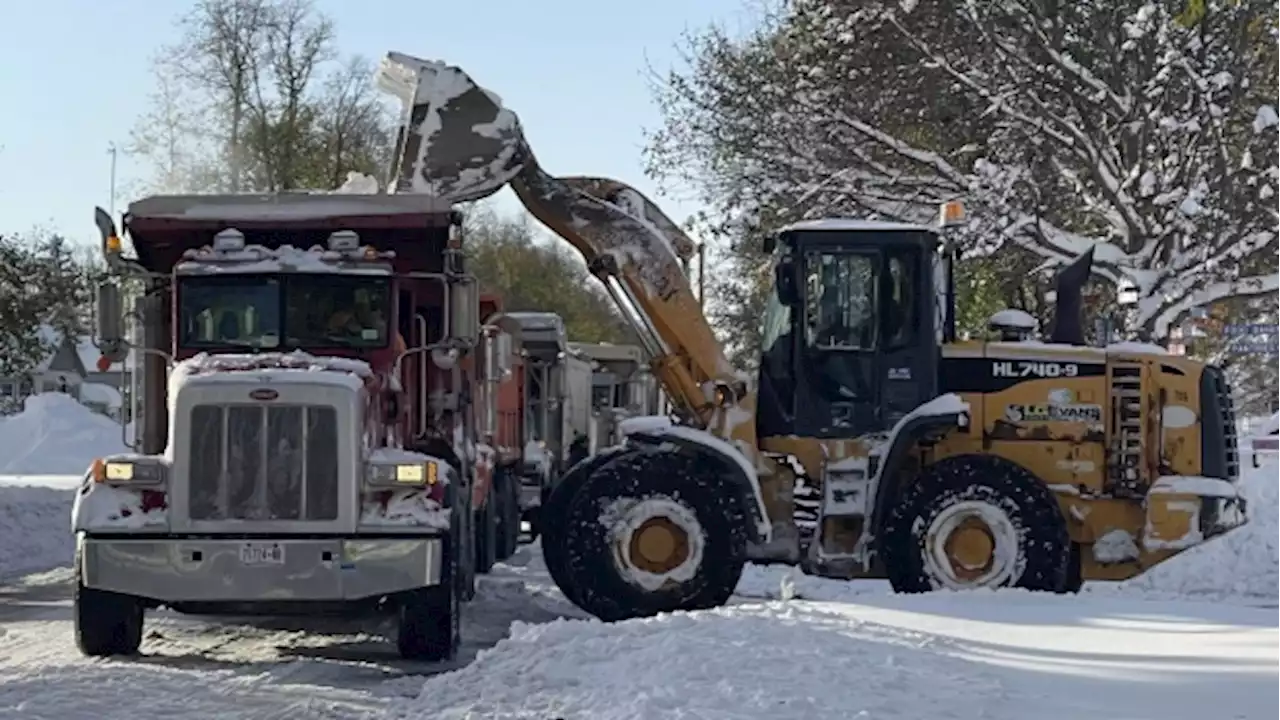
(192, 667)
(862, 654)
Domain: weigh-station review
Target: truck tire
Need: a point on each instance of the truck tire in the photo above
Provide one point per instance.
(647, 532)
(430, 619)
(976, 521)
(509, 515)
(106, 623)
(486, 529)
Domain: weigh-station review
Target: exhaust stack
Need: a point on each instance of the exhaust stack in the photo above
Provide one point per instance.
(1068, 311)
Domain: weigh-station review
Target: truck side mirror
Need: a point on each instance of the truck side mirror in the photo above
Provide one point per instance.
(464, 311)
(784, 278)
(110, 330)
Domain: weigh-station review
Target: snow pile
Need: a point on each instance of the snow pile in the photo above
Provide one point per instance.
(800, 664)
(35, 529)
(1244, 563)
(55, 435)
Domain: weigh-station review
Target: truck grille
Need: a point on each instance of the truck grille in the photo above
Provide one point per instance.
(250, 462)
(1219, 445)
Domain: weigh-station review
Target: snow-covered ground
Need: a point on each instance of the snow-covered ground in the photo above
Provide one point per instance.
(1196, 638)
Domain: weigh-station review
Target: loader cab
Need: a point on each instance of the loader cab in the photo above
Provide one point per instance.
(853, 326)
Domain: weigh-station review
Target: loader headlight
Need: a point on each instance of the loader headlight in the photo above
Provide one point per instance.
(404, 474)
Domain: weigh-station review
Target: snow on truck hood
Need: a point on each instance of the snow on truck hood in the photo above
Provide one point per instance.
(294, 367)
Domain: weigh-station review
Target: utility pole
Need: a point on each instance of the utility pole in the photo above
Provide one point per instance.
(111, 202)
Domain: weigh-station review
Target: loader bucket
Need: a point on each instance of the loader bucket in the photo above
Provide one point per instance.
(457, 142)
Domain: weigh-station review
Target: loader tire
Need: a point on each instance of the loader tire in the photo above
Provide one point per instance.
(975, 521)
(647, 532)
(486, 529)
(106, 623)
(430, 619)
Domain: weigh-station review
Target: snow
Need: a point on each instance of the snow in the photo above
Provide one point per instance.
(1115, 546)
(35, 533)
(1193, 485)
(295, 366)
(56, 435)
(1136, 347)
(1012, 318)
(358, 184)
(1003, 656)
(643, 424)
(103, 506)
(101, 394)
(1265, 118)
(834, 224)
(405, 508)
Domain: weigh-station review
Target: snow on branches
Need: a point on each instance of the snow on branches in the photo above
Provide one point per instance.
(1137, 128)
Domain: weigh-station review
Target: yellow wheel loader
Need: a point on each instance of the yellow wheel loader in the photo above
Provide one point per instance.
(932, 462)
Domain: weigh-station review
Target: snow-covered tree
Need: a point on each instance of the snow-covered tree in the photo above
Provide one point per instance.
(1145, 130)
(21, 309)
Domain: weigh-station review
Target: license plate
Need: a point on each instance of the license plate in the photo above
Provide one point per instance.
(262, 554)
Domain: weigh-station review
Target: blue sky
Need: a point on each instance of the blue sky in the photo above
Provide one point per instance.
(75, 74)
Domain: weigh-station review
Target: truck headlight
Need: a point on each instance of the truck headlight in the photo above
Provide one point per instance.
(127, 472)
(417, 474)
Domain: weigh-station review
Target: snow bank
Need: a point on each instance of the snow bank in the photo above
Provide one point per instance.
(55, 435)
(1244, 563)
(801, 662)
(35, 529)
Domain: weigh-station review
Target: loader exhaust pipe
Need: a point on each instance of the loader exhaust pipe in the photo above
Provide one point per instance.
(1068, 310)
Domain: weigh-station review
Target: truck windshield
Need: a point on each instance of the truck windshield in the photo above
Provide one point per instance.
(283, 311)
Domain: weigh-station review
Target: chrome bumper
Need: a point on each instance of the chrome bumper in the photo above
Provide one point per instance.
(214, 570)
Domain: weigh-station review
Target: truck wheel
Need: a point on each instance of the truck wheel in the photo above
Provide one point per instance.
(430, 628)
(508, 495)
(106, 623)
(647, 532)
(486, 529)
(976, 521)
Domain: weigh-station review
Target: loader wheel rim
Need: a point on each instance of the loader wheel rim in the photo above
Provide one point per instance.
(971, 544)
(656, 542)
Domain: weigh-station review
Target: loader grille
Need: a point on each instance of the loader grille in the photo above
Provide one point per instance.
(250, 462)
(1219, 445)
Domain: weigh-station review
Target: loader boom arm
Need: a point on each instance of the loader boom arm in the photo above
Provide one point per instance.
(458, 142)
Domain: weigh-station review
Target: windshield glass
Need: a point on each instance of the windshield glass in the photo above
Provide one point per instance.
(284, 311)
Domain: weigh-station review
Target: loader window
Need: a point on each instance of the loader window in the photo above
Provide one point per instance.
(900, 320)
(840, 298)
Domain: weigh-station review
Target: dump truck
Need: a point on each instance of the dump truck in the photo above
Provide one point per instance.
(557, 387)
(940, 463)
(327, 423)
(621, 387)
